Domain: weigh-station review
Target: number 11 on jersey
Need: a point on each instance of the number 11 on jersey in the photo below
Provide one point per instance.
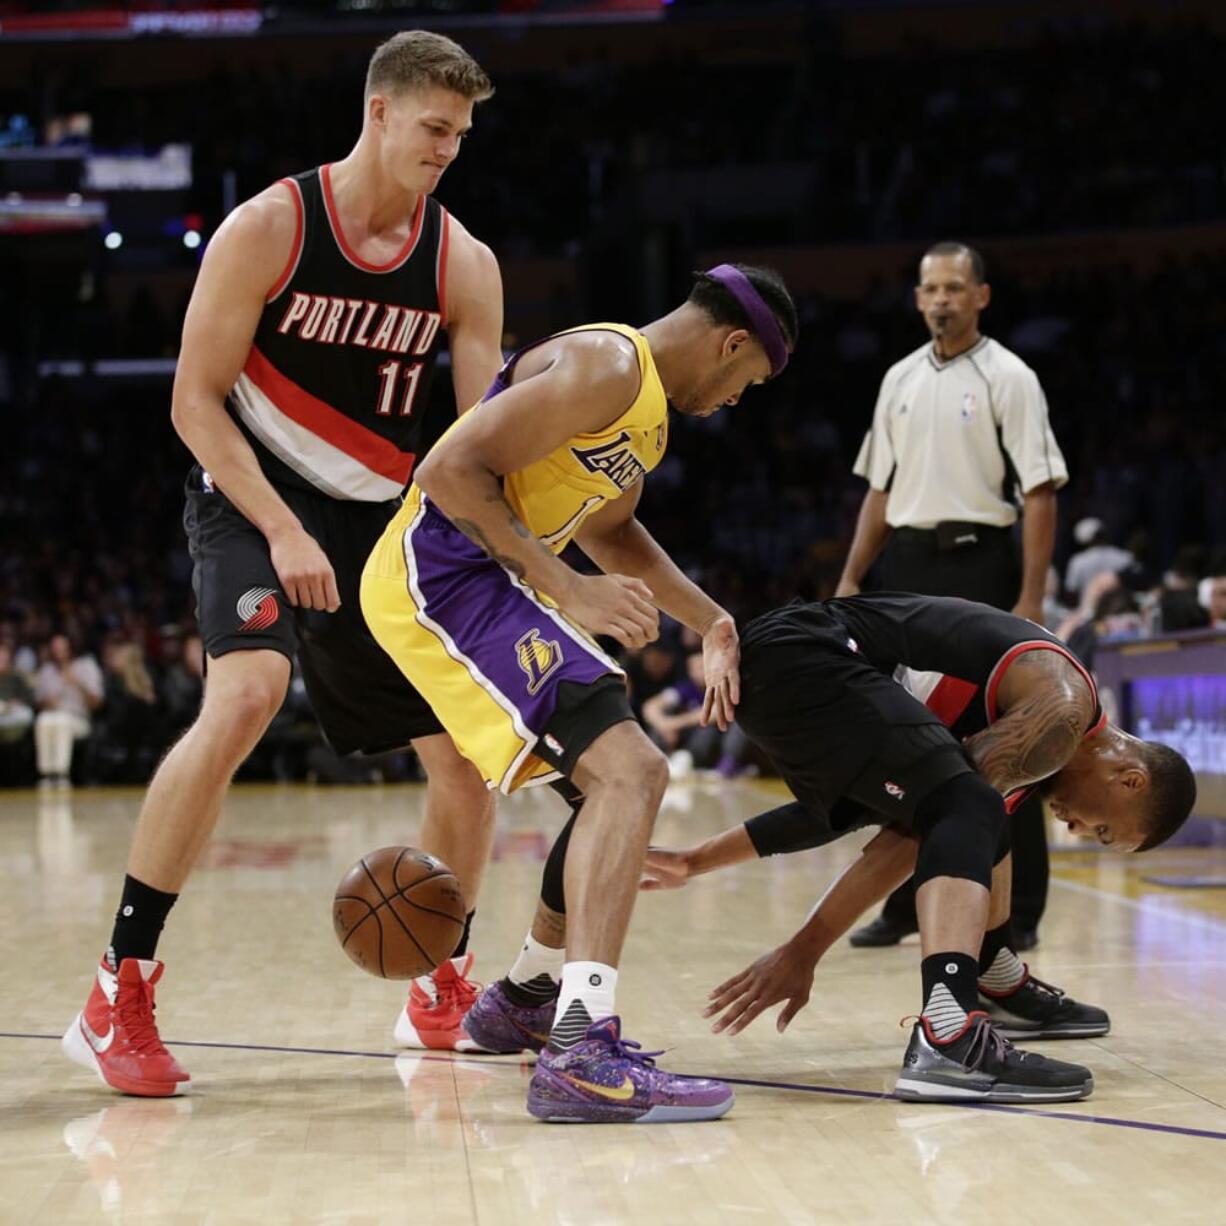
(389, 372)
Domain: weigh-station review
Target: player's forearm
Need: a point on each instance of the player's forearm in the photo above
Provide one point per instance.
(885, 862)
(722, 850)
(471, 496)
(1038, 542)
(868, 539)
(632, 550)
(221, 450)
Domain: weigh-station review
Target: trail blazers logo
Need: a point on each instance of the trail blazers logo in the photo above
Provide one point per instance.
(258, 608)
(539, 659)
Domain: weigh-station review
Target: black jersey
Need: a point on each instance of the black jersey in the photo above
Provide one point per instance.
(333, 392)
(950, 654)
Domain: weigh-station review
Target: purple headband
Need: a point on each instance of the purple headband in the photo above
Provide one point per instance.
(765, 325)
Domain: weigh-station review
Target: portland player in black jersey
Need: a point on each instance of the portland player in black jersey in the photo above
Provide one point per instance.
(308, 349)
(879, 710)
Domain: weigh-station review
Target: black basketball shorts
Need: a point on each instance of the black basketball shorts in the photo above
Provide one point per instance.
(838, 729)
(362, 700)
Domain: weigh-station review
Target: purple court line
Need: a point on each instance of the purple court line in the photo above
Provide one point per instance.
(1208, 1134)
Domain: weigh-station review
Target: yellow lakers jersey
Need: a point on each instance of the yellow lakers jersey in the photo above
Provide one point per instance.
(554, 495)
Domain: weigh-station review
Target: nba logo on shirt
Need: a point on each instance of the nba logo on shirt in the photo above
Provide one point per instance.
(894, 790)
(968, 406)
(537, 658)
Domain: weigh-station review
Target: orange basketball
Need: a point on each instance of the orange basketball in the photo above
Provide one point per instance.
(398, 912)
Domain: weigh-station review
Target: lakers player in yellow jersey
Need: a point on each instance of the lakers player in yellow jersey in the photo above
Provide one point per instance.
(467, 593)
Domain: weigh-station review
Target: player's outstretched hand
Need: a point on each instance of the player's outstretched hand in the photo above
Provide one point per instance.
(665, 868)
(304, 570)
(616, 605)
(721, 665)
(785, 973)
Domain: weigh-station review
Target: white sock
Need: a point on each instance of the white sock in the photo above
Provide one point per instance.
(945, 1016)
(1005, 974)
(538, 969)
(587, 995)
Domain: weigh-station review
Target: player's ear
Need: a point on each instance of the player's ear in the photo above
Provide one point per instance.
(985, 295)
(1135, 779)
(733, 341)
(376, 110)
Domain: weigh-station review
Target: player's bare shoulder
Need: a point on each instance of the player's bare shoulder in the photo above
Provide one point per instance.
(604, 363)
(1054, 675)
(472, 273)
(258, 239)
(467, 248)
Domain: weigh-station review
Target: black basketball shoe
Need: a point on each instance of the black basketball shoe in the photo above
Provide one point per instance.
(1036, 1010)
(881, 932)
(980, 1065)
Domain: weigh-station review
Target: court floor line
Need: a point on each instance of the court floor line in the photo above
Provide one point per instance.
(837, 1091)
(1148, 906)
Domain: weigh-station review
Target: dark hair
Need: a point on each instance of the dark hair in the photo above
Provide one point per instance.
(979, 270)
(716, 299)
(1172, 792)
(416, 58)
(1180, 610)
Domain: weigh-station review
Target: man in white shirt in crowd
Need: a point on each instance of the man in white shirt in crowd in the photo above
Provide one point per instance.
(959, 437)
(1096, 556)
(68, 689)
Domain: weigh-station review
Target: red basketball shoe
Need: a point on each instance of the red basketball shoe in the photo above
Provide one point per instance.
(433, 1016)
(117, 1037)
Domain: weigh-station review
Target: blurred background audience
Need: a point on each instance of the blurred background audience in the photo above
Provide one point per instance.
(1073, 152)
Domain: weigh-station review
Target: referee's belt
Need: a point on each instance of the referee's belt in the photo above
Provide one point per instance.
(951, 534)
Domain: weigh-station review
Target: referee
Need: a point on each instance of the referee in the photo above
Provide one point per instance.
(960, 431)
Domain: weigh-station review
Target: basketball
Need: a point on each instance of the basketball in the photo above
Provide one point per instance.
(398, 912)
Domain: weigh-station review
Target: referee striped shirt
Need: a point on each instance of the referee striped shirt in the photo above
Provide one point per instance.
(959, 440)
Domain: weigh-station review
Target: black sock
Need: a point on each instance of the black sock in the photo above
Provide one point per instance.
(462, 948)
(138, 922)
(994, 940)
(951, 991)
(538, 991)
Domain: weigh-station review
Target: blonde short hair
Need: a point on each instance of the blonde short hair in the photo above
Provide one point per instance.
(414, 59)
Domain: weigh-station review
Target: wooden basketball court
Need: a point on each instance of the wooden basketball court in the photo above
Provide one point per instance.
(303, 1112)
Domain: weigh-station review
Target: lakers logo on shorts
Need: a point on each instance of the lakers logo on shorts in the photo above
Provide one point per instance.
(539, 659)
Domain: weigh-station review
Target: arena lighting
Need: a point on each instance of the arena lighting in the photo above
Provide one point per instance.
(113, 241)
(191, 239)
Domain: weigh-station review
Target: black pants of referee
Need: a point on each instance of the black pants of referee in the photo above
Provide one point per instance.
(985, 569)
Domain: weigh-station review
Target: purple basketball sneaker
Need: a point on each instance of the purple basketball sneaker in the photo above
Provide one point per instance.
(605, 1079)
(496, 1024)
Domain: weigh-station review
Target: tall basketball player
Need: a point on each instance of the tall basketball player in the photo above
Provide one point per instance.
(308, 350)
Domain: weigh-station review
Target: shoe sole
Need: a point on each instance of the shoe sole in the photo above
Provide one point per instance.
(407, 1035)
(1019, 1033)
(600, 1113)
(78, 1050)
(911, 1090)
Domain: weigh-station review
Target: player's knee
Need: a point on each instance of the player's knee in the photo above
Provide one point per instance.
(243, 695)
(452, 774)
(627, 764)
(461, 783)
(647, 775)
(960, 826)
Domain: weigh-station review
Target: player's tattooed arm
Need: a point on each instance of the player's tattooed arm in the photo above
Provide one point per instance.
(1047, 709)
(479, 538)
